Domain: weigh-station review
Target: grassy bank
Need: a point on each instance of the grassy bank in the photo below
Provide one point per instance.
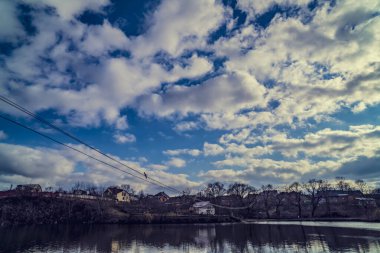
(32, 210)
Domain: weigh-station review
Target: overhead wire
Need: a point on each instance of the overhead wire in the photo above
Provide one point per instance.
(39, 118)
(72, 148)
(152, 181)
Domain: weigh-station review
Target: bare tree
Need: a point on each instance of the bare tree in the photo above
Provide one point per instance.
(324, 191)
(49, 189)
(267, 195)
(342, 184)
(240, 190)
(78, 186)
(128, 189)
(186, 192)
(312, 187)
(214, 190)
(92, 189)
(363, 187)
(295, 194)
(279, 200)
(141, 195)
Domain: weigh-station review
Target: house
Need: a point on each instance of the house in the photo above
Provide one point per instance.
(203, 207)
(29, 188)
(118, 194)
(162, 196)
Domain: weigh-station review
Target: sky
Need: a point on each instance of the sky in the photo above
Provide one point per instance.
(191, 92)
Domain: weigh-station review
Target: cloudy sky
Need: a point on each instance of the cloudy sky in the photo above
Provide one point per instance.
(263, 91)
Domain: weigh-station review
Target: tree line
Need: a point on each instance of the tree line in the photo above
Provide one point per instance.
(304, 199)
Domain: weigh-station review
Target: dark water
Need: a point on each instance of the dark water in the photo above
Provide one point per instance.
(255, 237)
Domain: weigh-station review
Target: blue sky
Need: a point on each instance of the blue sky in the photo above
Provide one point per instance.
(192, 91)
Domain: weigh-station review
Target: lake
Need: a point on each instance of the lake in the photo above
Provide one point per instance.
(252, 237)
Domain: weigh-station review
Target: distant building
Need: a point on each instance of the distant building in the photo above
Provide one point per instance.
(203, 207)
(29, 188)
(118, 194)
(162, 196)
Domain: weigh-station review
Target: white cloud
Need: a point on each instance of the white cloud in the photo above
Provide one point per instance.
(319, 67)
(95, 91)
(257, 7)
(226, 93)
(178, 25)
(10, 26)
(176, 152)
(58, 167)
(212, 149)
(158, 166)
(176, 162)
(99, 40)
(124, 138)
(323, 154)
(68, 9)
(186, 126)
(311, 68)
(33, 163)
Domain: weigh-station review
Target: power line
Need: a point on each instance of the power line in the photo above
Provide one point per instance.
(73, 148)
(152, 181)
(39, 118)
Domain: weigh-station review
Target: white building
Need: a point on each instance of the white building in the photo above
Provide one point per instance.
(204, 207)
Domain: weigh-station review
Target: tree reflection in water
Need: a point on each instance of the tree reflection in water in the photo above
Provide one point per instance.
(188, 238)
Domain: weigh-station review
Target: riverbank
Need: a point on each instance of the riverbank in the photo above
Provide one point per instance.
(32, 211)
(39, 210)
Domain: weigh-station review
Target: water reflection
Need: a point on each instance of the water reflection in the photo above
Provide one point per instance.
(189, 238)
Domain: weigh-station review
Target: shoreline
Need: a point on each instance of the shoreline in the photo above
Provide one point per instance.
(162, 219)
(50, 211)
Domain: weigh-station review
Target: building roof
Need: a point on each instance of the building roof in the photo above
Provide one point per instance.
(162, 194)
(114, 190)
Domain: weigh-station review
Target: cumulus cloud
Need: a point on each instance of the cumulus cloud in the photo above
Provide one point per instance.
(176, 162)
(316, 68)
(298, 71)
(158, 166)
(255, 8)
(69, 9)
(124, 138)
(226, 93)
(176, 152)
(178, 26)
(37, 164)
(64, 167)
(212, 149)
(10, 26)
(324, 153)
(58, 66)
(186, 126)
